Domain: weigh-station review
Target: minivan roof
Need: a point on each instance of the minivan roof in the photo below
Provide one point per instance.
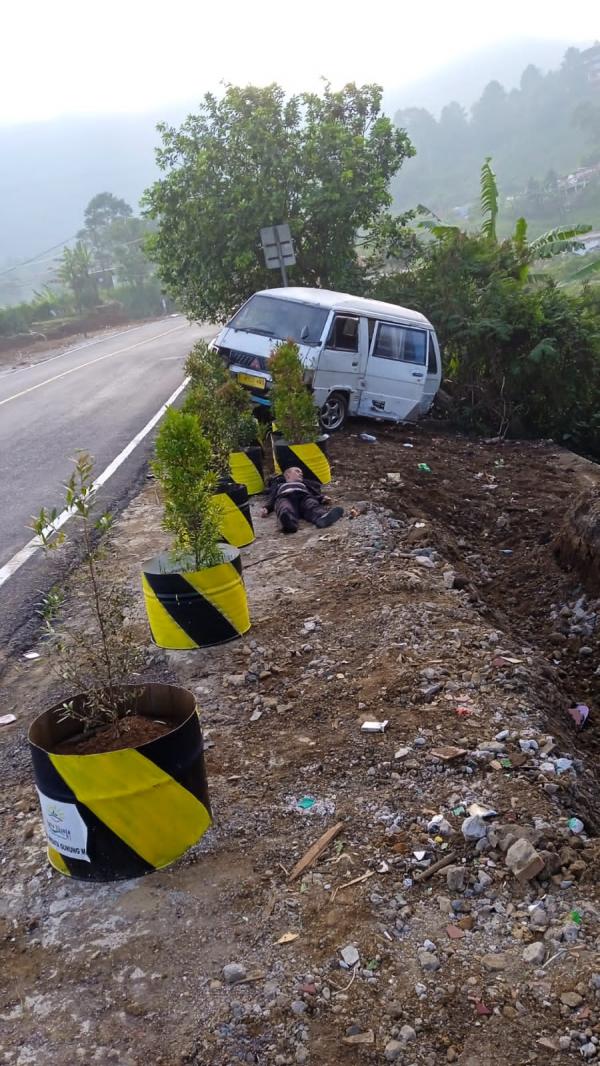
(343, 301)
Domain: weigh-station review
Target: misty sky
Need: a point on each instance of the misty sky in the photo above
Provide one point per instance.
(73, 56)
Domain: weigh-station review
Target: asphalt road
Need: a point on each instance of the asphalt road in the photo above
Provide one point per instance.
(95, 397)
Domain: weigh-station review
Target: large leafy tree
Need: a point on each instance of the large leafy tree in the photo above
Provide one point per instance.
(76, 270)
(103, 211)
(253, 158)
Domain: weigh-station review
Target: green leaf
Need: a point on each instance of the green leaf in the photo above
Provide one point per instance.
(489, 201)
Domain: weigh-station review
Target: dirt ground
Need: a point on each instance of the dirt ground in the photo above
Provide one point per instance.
(435, 604)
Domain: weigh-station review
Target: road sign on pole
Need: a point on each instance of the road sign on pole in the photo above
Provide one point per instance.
(278, 248)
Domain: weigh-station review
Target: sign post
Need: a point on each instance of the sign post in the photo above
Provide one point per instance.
(278, 248)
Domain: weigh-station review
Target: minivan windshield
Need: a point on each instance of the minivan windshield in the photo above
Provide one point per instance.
(274, 317)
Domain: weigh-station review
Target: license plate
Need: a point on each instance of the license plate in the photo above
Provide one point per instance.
(251, 381)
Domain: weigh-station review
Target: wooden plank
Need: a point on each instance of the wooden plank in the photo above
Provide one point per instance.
(315, 850)
(424, 875)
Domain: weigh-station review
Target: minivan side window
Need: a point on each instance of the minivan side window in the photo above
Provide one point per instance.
(343, 335)
(401, 344)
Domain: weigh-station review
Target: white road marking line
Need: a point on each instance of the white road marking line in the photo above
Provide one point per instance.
(35, 543)
(90, 362)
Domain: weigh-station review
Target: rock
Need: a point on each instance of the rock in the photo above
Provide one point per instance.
(350, 955)
(455, 878)
(474, 828)
(393, 1050)
(494, 963)
(233, 972)
(407, 1033)
(402, 753)
(424, 560)
(298, 1006)
(428, 945)
(588, 1050)
(428, 961)
(535, 953)
(524, 860)
(571, 999)
(564, 1043)
(538, 919)
(302, 1054)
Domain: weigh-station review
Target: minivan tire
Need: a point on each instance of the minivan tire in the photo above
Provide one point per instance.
(333, 412)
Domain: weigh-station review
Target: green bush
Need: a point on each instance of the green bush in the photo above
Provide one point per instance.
(192, 515)
(223, 407)
(294, 412)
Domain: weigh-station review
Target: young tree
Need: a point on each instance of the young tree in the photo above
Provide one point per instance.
(322, 163)
(76, 270)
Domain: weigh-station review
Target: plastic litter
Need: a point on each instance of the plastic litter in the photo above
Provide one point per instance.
(374, 727)
(350, 955)
(424, 468)
(31, 655)
(407, 445)
(579, 713)
(6, 719)
(306, 803)
(576, 917)
(367, 437)
(576, 825)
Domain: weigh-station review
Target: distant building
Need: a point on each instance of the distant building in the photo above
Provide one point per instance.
(580, 178)
(590, 242)
(591, 61)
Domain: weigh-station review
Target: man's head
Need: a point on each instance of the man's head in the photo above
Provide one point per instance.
(293, 473)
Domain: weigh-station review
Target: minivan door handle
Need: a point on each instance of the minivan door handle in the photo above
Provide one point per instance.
(355, 364)
(415, 375)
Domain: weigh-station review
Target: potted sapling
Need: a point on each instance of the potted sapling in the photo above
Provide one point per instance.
(297, 440)
(225, 412)
(118, 762)
(194, 594)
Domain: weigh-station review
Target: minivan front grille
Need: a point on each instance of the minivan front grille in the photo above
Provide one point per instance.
(251, 362)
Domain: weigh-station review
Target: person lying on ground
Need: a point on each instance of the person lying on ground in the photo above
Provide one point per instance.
(292, 498)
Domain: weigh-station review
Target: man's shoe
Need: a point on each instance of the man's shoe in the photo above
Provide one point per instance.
(288, 523)
(329, 517)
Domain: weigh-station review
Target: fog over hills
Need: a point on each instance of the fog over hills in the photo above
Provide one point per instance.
(50, 170)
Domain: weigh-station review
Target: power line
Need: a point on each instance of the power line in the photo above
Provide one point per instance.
(35, 258)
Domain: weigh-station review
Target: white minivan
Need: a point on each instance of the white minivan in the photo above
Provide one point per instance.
(362, 357)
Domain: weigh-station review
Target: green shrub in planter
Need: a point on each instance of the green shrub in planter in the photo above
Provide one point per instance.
(119, 767)
(296, 417)
(195, 597)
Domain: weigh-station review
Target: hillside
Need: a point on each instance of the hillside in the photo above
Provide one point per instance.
(536, 132)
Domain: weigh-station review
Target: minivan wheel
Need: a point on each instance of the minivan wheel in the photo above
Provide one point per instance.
(333, 412)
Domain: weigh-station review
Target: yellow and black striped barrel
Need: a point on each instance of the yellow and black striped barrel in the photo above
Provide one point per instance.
(311, 458)
(236, 520)
(247, 469)
(120, 814)
(196, 608)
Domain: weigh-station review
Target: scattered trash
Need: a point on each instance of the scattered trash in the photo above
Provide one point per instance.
(420, 525)
(367, 437)
(350, 955)
(394, 478)
(506, 551)
(402, 753)
(383, 868)
(483, 812)
(288, 938)
(6, 719)
(576, 825)
(576, 917)
(407, 445)
(31, 655)
(424, 468)
(440, 824)
(562, 765)
(482, 1009)
(419, 855)
(367, 1037)
(448, 753)
(463, 712)
(306, 803)
(455, 932)
(579, 713)
(457, 811)
(374, 727)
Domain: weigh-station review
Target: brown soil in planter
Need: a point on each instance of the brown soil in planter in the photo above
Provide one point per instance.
(134, 731)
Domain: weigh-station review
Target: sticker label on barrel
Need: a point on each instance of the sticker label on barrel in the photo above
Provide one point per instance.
(65, 828)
